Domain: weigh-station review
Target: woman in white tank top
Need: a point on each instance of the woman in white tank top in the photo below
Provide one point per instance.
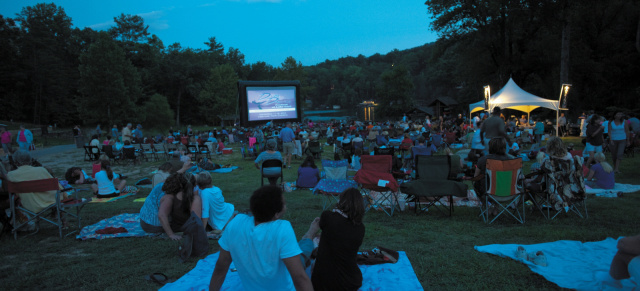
(619, 135)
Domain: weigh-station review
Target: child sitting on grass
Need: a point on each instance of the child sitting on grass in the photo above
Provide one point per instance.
(215, 212)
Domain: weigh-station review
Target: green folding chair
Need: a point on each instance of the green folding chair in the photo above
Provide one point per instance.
(504, 190)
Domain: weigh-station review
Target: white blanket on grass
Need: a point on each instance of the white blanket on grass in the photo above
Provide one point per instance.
(571, 264)
(398, 276)
(625, 188)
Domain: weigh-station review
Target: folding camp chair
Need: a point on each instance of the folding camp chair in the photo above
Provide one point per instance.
(193, 150)
(108, 150)
(89, 154)
(432, 182)
(333, 182)
(437, 141)
(564, 188)
(148, 152)
(314, 149)
(375, 177)
(504, 189)
(271, 164)
(381, 140)
(129, 155)
(170, 149)
(60, 207)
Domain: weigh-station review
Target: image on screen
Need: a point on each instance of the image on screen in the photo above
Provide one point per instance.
(271, 103)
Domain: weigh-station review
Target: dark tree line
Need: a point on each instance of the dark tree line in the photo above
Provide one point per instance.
(54, 73)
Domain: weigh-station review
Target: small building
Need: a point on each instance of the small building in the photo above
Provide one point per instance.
(420, 112)
(440, 105)
(368, 110)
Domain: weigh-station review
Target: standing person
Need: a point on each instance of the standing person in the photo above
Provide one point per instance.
(492, 127)
(127, 134)
(620, 138)
(24, 138)
(342, 235)
(137, 134)
(583, 124)
(538, 130)
(562, 124)
(98, 131)
(287, 136)
(5, 139)
(595, 139)
(263, 247)
(114, 133)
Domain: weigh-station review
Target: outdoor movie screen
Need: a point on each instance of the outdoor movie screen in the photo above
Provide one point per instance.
(266, 101)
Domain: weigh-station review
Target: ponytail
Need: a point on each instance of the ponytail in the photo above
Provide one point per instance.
(106, 166)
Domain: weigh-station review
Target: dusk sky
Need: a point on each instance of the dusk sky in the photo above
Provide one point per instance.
(311, 31)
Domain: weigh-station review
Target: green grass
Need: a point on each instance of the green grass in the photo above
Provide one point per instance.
(440, 248)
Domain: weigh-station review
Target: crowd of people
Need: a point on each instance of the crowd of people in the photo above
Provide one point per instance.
(260, 243)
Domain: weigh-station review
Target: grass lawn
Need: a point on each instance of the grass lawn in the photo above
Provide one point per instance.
(440, 248)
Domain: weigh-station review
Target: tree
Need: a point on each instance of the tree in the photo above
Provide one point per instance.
(46, 35)
(129, 28)
(219, 96)
(215, 50)
(109, 83)
(290, 70)
(395, 93)
(159, 114)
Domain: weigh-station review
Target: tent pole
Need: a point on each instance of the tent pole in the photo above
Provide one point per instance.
(557, 117)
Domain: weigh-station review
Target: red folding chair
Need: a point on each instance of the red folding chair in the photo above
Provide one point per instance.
(375, 176)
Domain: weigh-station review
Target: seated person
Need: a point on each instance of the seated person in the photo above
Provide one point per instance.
(215, 212)
(149, 220)
(263, 248)
(107, 141)
(208, 165)
(178, 203)
(342, 235)
(628, 249)
(34, 202)
(77, 175)
(269, 154)
(497, 151)
(161, 175)
(95, 143)
(308, 174)
(357, 139)
(106, 181)
(515, 147)
(534, 180)
(602, 172)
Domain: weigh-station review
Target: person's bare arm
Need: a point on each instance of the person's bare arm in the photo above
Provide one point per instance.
(300, 279)
(186, 166)
(196, 205)
(166, 202)
(591, 174)
(220, 271)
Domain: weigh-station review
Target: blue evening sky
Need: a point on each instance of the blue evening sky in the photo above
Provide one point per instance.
(266, 30)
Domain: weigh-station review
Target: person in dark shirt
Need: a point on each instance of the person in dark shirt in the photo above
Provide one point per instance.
(342, 235)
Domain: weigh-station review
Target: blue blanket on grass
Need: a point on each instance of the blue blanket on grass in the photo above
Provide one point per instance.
(571, 264)
(398, 276)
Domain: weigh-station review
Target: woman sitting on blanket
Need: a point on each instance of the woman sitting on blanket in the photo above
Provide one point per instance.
(308, 174)
(215, 212)
(106, 181)
(77, 175)
(178, 203)
(602, 172)
(342, 235)
(149, 220)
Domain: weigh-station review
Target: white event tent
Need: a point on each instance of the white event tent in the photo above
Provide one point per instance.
(513, 97)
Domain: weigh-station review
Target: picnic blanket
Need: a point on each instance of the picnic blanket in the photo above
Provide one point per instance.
(571, 264)
(102, 200)
(398, 276)
(625, 188)
(130, 221)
